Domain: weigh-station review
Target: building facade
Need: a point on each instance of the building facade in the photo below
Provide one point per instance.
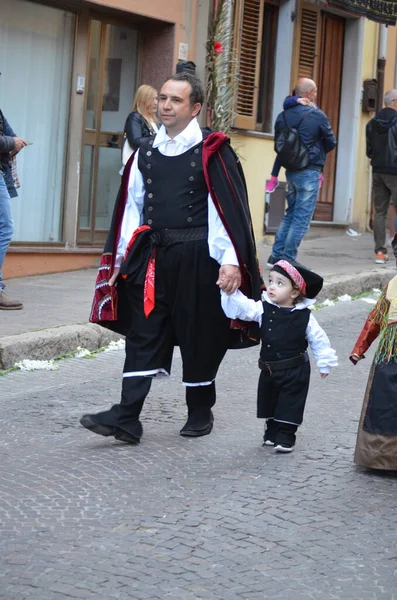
(278, 41)
(69, 72)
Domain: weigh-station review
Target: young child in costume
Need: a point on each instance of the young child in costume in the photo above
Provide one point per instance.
(376, 445)
(287, 328)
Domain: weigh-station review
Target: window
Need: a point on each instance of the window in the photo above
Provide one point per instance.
(256, 26)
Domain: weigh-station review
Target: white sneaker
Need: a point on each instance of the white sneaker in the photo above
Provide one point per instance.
(284, 448)
(268, 443)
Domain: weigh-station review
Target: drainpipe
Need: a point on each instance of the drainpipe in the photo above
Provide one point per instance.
(380, 66)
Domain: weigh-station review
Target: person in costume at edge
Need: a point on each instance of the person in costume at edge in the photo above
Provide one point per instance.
(287, 328)
(182, 211)
(376, 445)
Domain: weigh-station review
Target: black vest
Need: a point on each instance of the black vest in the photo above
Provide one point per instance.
(176, 195)
(283, 332)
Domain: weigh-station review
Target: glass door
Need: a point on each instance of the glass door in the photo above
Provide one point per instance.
(112, 73)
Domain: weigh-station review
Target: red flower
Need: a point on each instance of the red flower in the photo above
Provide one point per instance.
(218, 47)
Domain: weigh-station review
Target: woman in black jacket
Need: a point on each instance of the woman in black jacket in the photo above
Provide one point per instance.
(141, 122)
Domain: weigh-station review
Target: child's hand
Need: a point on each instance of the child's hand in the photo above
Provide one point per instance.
(324, 375)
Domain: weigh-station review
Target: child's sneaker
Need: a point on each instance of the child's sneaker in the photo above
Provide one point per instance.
(284, 448)
(271, 185)
(381, 258)
(270, 433)
(267, 442)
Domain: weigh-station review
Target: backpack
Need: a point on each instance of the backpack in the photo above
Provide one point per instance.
(293, 154)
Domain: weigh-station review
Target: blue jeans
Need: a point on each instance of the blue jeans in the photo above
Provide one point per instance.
(301, 202)
(6, 224)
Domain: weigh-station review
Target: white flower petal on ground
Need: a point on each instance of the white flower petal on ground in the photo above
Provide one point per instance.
(327, 303)
(37, 365)
(82, 352)
(119, 345)
(344, 298)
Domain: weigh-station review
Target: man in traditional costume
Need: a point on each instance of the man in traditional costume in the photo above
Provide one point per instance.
(181, 231)
(376, 445)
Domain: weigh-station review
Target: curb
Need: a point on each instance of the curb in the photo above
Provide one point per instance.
(55, 341)
(52, 342)
(355, 284)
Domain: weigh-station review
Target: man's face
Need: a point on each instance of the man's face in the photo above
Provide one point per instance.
(312, 95)
(175, 110)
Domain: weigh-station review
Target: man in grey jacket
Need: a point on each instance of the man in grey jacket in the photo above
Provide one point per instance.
(9, 143)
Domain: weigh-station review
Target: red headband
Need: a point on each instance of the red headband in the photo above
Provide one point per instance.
(293, 274)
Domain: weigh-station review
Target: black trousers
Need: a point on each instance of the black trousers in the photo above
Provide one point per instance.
(188, 313)
(282, 394)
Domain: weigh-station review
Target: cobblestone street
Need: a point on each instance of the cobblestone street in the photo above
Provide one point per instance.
(217, 517)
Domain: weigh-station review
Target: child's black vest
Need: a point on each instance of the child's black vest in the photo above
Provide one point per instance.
(172, 201)
(283, 332)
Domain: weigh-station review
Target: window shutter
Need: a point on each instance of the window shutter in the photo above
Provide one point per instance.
(249, 48)
(308, 43)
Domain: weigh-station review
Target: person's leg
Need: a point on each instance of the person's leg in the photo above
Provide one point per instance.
(381, 197)
(6, 232)
(266, 407)
(149, 348)
(293, 389)
(392, 210)
(6, 224)
(282, 232)
(199, 400)
(391, 217)
(306, 184)
(202, 331)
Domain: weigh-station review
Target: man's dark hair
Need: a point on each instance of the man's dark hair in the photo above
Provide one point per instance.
(197, 93)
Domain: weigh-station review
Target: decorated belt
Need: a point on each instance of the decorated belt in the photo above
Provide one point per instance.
(279, 365)
(191, 234)
(141, 256)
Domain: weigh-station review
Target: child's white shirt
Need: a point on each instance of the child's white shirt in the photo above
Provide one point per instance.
(238, 306)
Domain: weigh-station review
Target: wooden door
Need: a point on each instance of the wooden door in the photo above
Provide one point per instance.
(319, 56)
(329, 91)
(111, 67)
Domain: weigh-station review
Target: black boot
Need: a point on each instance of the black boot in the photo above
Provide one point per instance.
(199, 400)
(122, 420)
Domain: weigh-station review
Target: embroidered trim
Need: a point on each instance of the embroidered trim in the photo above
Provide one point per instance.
(153, 372)
(102, 304)
(293, 273)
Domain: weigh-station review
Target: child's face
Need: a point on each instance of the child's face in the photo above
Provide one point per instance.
(280, 290)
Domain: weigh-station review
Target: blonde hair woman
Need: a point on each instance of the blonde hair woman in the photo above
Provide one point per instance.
(142, 121)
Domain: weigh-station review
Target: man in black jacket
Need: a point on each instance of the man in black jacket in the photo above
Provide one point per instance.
(381, 135)
(181, 231)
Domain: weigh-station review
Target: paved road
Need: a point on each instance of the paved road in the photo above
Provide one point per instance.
(213, 518)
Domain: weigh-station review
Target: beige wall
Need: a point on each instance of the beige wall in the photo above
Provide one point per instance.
(257, 154)
(390, 58)
(257, 157)
(361, 199)
(169, 10)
